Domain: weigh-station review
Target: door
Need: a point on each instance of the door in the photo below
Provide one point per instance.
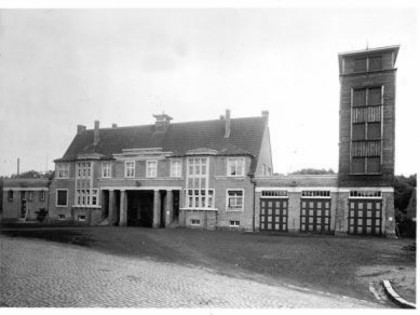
(315, 215)
(273, 215)
(365, 216)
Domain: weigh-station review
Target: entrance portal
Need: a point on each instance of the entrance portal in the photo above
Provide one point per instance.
(140, 208)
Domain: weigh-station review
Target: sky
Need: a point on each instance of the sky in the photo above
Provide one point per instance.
(64, 67)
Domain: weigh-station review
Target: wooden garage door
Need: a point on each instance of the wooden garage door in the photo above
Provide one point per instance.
(315, 215)
(273, 215)
(365, 216)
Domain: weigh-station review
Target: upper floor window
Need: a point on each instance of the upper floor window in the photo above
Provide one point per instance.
(130, 168)
(106, 170)
(236, 166)
(235, 199)
(61, 198)
(83, 169)
(176, 168)
(197, 167)
(151, 168)
(42, 195)
(372, 63)
(63, 170)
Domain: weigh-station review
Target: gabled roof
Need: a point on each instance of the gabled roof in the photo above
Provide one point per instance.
(245, 138)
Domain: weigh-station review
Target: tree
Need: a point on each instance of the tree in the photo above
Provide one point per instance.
(403, 189)
(312, 171)
(34, 174)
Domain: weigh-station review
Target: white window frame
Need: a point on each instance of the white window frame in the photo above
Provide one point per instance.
(84, 197)
(235, 163)
(56, 197)
(106, 170)
(151, 172)
(126, 169)
(63, 170)
(234, 223)
(227, 199)
(176, 168)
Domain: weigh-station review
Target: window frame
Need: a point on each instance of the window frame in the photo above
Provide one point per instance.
(106, 170)
(175, 172)
(151, 162)
(10, 195)
(63, 170)
(42, 194)
(233, 161)
(126, 168)
(56, 197)
(236, 209)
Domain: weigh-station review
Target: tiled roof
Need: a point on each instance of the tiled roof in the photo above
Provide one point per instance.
(245, 138)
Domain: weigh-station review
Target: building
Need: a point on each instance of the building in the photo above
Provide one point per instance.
(195, 174)
(23, 199)
(360, 200)
(218, 174)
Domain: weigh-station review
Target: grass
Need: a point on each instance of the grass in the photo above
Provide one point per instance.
(319, 262)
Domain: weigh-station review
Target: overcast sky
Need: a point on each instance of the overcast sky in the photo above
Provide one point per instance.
(60, 68)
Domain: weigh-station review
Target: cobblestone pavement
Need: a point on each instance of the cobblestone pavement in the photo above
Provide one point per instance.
(36, 273)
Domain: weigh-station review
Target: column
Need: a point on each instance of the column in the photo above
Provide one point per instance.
(123, 208)
(169, 208)
(156, 209)
(111, 207)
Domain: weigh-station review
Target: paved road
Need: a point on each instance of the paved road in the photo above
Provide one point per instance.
(38, 273)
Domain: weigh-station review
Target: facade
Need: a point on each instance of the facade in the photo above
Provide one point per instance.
(24, 198)
(360, 200)
(196, 174)
(217, 174)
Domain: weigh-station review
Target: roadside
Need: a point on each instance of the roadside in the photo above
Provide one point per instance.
(343, 266)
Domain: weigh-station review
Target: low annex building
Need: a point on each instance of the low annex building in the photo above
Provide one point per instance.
(218, 174)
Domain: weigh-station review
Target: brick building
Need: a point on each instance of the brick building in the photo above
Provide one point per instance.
(195, 174)
(360, 200)
(218, 173)
(24, 198)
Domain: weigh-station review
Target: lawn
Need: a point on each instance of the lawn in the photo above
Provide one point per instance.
(339, 265)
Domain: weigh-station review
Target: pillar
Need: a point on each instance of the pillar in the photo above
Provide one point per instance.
(123, 208)
(169, 208)
(156, 209)
(111, 207)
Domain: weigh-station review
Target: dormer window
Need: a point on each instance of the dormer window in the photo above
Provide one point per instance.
(236, 166)
(63, 170)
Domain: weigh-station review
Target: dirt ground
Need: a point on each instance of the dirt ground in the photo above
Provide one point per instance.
(348, 266)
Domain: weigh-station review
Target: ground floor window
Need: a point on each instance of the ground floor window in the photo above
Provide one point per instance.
(195, 222)
(235, 199)
(234, 223)
(196, 198)
(61, 200)
(87, 197)
(61, 217)
(81, 218)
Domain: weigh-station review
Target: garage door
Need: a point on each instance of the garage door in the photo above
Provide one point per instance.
(273, 215)
(365, 216)
(315, 215)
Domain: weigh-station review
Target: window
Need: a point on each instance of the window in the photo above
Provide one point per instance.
(236, 166)
(30, 195)
(61, 200)
(87, 197)
(63, 170)
(235, 199)
(360, 64)
(274, 193)
(198, 195)
(106, 170)
(10, 195)
(42, 195)
(195, 222)
(366, 134)
(81, 218)
(83, 170)
(234, 223)
(316, 193)
(365, 194)
(151, 168)
(176, 168)
(61, 217)
(375, 63)
(130, 167)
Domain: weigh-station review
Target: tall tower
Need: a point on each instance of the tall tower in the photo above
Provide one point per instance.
(367, 134)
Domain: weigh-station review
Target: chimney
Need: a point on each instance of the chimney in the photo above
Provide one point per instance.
(96, 133)
(227, 123)
(265, 115)
(18, 166)
(114, 126)
(80, 129)
(162, 122)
